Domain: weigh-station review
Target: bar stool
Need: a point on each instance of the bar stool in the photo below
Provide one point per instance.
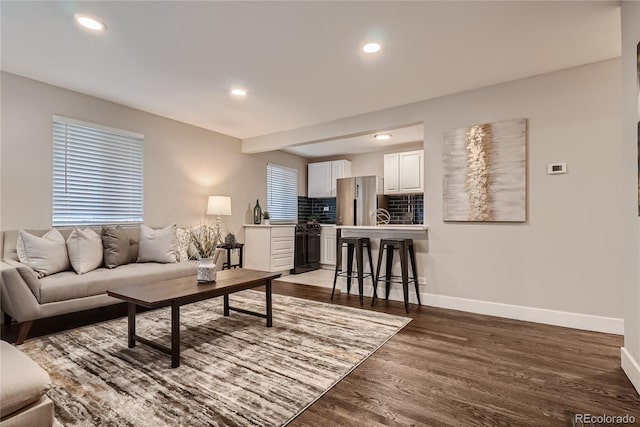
(356, 244)
(405, 248)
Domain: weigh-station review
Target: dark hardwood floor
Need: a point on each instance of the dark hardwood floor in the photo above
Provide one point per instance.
(454, 368)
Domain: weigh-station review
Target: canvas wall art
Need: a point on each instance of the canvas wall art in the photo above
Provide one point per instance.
(485, 172)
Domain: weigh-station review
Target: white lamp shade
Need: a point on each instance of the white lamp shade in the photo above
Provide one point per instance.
(219, 205)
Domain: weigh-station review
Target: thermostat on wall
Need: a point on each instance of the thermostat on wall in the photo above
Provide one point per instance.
(556, 168)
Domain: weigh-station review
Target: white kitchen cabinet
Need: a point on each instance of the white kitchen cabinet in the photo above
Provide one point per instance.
(404, 172)
(322, 177)
(328, 245)
(269, 248)
(391, 173)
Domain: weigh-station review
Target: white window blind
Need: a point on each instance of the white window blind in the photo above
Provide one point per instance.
(282, 194)
(97, 174)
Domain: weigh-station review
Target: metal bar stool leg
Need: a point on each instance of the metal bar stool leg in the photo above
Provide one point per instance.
(338, 267)
(370, 262)
(389, 267)
(377, 277)
(349, 266)
(412, 255)
(404, 266)
(360, 267)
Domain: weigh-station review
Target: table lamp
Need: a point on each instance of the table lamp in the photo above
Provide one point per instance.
(219, 205)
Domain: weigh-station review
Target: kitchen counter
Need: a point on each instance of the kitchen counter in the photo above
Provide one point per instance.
(390, 227)
(396, 231)
(270, 225)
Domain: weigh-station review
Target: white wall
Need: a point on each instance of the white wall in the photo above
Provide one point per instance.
(183, 164)
(631, 116)
(569, 255)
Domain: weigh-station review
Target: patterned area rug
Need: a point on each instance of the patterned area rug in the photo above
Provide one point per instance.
(234, 370)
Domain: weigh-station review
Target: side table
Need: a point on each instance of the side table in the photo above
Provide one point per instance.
(229, 248)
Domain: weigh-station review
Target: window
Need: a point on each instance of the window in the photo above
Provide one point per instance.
(282, 194)
(97, 174)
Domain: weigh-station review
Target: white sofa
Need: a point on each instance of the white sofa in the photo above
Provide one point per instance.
(23, 402)
(25, 297)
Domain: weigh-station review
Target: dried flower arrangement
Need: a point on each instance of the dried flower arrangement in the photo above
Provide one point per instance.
(205, 239)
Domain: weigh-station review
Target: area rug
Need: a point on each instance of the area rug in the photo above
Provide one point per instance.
(234, 371)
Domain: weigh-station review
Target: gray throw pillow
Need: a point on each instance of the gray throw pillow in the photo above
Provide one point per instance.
(115, 242)
(157, 245)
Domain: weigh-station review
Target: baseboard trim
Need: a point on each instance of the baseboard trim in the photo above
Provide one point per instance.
(587, 322)
(566, 319)
(631, 367)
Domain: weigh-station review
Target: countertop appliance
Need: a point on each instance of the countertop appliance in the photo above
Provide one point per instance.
(307, 248)
(358, 199)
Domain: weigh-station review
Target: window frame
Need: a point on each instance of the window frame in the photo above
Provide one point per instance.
(291, 205)
(115, 140)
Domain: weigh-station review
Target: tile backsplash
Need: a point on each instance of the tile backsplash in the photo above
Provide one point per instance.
(308, 207)
(404, 209)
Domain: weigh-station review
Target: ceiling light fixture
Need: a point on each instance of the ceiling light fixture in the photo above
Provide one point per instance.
(382, 136)
(238, 92)
(90, 23)
(371, 47)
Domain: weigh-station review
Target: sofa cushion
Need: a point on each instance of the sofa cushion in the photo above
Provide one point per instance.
(115, 242)
(46, 254)
(157, 245)
(85, 250)
(68, 285)
(23, 380)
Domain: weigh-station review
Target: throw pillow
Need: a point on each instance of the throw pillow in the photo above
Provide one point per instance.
(115, 242)
(157, 245)
(45, 255)
(85, 250)
(133, 252)
(183, 241)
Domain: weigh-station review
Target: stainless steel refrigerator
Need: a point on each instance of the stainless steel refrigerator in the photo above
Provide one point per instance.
(357, 200)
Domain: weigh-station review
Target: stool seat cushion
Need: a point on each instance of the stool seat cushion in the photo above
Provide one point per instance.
(23, 380)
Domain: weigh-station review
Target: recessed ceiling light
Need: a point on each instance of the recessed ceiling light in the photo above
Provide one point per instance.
(238, 92)
(90, 23)
(371, 47)
(382, 136)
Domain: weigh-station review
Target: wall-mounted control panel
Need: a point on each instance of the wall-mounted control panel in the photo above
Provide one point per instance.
(556, 168)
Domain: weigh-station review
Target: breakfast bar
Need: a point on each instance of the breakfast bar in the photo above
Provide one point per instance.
(391, 238)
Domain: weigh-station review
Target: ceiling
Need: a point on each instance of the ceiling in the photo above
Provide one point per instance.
(359, 144)
(301, 62)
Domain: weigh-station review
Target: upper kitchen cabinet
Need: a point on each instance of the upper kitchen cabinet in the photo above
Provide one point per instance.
(323, 175)
(404, 172)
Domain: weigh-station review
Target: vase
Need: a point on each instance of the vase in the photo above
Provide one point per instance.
(207, 270)
(257, 213)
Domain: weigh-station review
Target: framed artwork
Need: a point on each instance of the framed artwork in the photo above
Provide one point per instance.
(485, 172)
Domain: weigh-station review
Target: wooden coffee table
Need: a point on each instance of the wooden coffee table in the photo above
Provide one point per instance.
(177, 292)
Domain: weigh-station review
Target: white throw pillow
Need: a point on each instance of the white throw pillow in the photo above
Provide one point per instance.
(157, 245)
(85, 250)
(45, 255)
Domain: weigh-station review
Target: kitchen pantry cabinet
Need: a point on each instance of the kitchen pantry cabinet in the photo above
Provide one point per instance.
(269, 248)
(322, 177)
(404, 172)
(328, 245)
